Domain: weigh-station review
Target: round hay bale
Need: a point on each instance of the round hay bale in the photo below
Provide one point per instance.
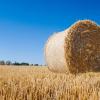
(76, 49)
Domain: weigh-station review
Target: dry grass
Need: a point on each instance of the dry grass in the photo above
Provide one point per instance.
(38, 83)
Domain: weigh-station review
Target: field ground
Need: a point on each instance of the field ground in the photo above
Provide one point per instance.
(38, 83)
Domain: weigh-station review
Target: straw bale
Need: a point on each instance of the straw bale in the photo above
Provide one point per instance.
(76, 49)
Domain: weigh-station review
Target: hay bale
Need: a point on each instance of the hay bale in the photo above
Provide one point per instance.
(76, 49)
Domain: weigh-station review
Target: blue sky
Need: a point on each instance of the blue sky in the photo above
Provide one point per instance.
(25, 25)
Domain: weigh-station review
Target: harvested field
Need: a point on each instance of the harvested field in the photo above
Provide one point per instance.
(38, 83)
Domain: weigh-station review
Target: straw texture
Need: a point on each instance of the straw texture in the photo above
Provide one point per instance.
(55, 54)
(82, 46)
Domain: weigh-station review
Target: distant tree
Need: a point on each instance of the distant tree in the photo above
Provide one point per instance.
(25, 64)
(20, 64)
(16, 63)
(8, 62)
(2, 62)
(36, 64)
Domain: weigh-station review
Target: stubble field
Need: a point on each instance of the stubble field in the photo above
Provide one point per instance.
(38, 83)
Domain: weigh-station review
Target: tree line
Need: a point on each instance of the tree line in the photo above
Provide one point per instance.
(2, 62)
